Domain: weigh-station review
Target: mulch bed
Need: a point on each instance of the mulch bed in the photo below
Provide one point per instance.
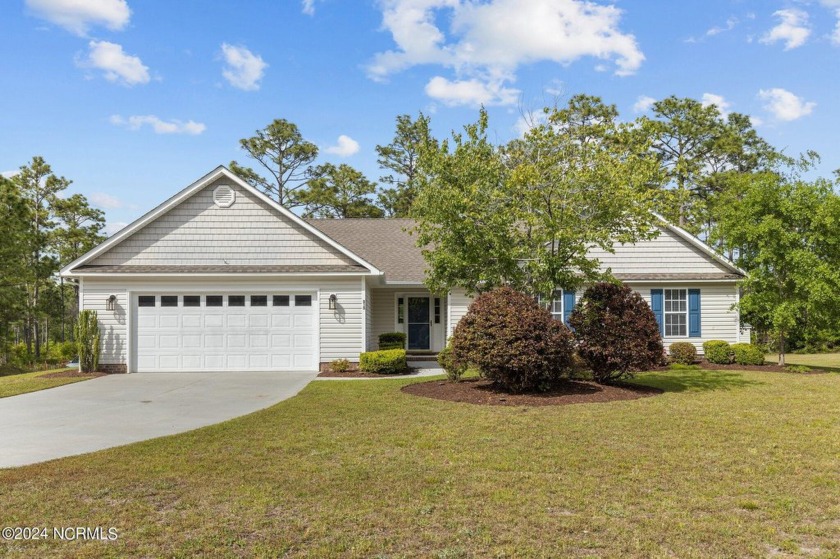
(73, 374)
(484, 392)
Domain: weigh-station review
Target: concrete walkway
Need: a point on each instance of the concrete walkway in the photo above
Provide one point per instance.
(119, 409)
(423, 369)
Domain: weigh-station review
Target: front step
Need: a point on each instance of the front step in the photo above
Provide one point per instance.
(431, 356)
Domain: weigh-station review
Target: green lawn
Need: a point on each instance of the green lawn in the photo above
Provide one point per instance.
(12, 385)
(829, 360)
(725, 464)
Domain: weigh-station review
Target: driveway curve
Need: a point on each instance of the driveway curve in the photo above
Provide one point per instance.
(115, 410)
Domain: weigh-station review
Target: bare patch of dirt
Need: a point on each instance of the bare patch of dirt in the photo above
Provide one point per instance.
(484, 392)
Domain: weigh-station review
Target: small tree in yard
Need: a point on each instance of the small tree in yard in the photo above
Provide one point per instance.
(513, 341)
(617, 332)
(88, 340)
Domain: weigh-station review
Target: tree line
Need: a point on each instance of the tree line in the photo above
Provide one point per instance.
(41, 231)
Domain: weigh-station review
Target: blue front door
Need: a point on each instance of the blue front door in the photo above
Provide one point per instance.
(419, 325)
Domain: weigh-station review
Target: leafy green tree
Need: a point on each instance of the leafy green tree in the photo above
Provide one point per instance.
(339, 192)
(284, 155)
(79, 230)
(13, 260)
(525, 214)
(401, 157)
(701, 151)
(38, 187)
(785, 232)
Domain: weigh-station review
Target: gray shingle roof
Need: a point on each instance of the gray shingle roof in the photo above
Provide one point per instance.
(678, 277)
(385, 243)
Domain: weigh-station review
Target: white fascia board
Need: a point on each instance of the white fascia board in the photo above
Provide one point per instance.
(220, 171)
(706, 249)
(134, 275)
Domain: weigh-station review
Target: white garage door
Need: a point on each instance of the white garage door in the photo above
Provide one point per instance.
(208, 332)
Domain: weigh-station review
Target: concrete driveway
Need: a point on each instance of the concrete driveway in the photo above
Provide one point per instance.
(119, 409)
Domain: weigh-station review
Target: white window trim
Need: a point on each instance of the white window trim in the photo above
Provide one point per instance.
(555, 303)
(665, 313)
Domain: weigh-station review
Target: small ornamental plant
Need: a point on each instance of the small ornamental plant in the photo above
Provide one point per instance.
(683, 353)
(718, 352)
(512, 341)
(616, 331)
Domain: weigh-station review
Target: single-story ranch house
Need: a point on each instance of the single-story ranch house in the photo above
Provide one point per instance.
(222, 278)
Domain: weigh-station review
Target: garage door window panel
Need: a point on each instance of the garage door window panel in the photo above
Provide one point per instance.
(303, 300)
(168, 300)
(214, 300)
(280, 301)
(236, 300)
(146, 301)
(192, 300)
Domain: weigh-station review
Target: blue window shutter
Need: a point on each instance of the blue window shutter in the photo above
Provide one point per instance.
(568, 305)
(694, 313)
(656, 307)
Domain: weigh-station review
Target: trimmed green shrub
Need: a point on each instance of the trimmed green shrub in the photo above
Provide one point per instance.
(513, 342)
(616, 331)
(748, 354)
(392, 340)
(88, 339)
(340, 366)
(717, 351)
(683, 353)
(798, 369)
(454, 371)
(388, 362)
(61, 352)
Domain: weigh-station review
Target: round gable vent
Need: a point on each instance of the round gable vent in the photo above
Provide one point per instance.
(224, 196)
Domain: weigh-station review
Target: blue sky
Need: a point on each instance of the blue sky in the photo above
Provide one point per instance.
(133, 100)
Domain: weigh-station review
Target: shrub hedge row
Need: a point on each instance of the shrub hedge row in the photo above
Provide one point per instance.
(389, 361)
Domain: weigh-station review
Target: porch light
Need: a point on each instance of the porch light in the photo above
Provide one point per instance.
(111, 303)
(333, 300)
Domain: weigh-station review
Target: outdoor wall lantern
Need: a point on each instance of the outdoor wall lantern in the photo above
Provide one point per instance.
(333, 301)
(111, 303)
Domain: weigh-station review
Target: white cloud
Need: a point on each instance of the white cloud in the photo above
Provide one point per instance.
(77, 16)
(529, 120)
(243, 69)
(159, 125)
(114, 227)
(717, 30)
(345, 147)
(756, 121)
(308, 7)
(643, 104)
(472, 92)
(488, 41)
(793, 29)
(719, 101)
(106, 201)
(784, 105)
(116, 65)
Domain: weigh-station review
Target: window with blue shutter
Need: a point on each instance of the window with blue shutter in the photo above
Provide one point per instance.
(568, 305)
(656, 307)
(694, 313)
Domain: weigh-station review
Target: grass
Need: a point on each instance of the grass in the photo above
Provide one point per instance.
(724, 464)
(12, 385)
(825, 360)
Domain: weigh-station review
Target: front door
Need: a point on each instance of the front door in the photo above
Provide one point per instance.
(419, 324)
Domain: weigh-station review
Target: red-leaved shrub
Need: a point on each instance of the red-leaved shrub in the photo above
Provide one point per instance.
(616, 331)
(513, 341)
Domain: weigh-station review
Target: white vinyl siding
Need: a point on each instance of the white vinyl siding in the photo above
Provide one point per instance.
(717, 319)
(459, 302)
(666, 254)
(112, 324)
(341, 329)
(198, 232)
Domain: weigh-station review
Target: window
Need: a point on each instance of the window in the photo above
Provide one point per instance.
(280, 301)
(214, 301)
(236, 300)
(556, 306)
(259, 300)
(437, 310)
(676, 312)
(303, 300)
(146, 301)
(168, 300)
(192, 300)
(400, 310)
